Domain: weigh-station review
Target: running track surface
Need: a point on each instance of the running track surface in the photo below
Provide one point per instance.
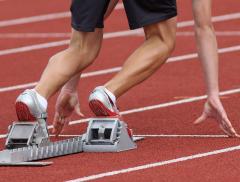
(167, 158)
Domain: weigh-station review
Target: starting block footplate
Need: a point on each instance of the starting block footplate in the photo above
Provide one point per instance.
(27, 142)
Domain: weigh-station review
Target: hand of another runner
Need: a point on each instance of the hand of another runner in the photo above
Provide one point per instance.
(66, 104)
(214, 109)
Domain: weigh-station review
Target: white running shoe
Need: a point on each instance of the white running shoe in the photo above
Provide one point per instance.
(101, 104)
(28, 107)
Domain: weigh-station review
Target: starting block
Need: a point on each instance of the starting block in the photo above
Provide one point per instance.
(27, 142)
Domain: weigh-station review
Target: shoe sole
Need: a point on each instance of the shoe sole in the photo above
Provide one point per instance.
(99, 109)
(23, 112)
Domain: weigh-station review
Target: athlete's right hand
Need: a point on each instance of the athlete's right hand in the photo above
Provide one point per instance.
(67, 103)
(214, 109)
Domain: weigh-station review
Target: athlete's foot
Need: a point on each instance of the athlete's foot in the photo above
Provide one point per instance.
(101, 103)
(28, 108)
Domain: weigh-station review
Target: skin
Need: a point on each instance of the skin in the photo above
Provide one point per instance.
(152, 54)
(207, 49)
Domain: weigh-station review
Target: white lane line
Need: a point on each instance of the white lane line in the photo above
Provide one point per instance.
(181, 136)
(162, 105)
(156, 164)
(33, 47)
(215, 19)
(218, 33)
(68, 35)
(67, 14)
(154, 136)
(33, 19)
(107, 35)
(116, 69)
(34, 35)
(157, 106)
(65, 42)
(39, 18)
(164, 136)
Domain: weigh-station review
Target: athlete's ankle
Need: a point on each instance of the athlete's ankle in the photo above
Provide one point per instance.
(110, 94)
(42, 100)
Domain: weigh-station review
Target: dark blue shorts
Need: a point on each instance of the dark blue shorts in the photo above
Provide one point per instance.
(89, 14)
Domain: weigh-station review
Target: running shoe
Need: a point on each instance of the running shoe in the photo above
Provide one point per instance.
(28, 108)
(101, 104)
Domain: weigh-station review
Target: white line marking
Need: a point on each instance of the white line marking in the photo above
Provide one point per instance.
(39, 18)
(181, 136)
(215, 19)
(164, 136)
(162, 105)
(65, 42)
(33, 35)
(156, 164)
(116, 69)
(218, 33)
(157, 106)
(33, 19)
(33, 47)
(68, 35)
(108, 35)
(154, 136)
(3, 136)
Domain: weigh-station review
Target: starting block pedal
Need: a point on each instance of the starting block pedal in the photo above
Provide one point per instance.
(107, 135)
(28, 141)
(25, 134)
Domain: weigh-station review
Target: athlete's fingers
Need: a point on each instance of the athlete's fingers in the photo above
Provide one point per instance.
(56, 117)
(55, 122)
(199, 120)
(59, 128)
(228, 126)
(58, 125)
(225, 130)
(78, 110)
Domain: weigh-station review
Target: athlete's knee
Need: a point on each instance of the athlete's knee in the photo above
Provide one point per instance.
(164, 46)
(170, 44)
(164, 34)
(203, 25)
(86, 45)
(204, 29)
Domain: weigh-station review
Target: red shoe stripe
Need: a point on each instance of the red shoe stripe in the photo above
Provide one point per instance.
(23, 112)
(99, 109)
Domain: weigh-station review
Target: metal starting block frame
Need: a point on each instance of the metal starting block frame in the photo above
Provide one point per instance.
(27, 141)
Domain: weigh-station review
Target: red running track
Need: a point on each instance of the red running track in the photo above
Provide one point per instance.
(175, 81)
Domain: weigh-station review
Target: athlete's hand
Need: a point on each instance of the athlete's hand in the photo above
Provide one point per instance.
(67, 103)
(214, 109)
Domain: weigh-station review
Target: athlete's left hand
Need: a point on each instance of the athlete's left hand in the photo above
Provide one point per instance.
(66, 104)
(213, 108)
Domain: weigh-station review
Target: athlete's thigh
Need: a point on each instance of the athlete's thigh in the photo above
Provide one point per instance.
(88, 14)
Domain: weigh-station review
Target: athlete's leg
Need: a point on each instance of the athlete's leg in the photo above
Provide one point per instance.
(82, 50)
(68, 100)
(159, 44)
(207, 49)
(159, 22)
(87, 23)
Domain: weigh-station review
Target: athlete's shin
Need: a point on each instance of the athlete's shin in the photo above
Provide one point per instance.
(83, 49)
(152, 54)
